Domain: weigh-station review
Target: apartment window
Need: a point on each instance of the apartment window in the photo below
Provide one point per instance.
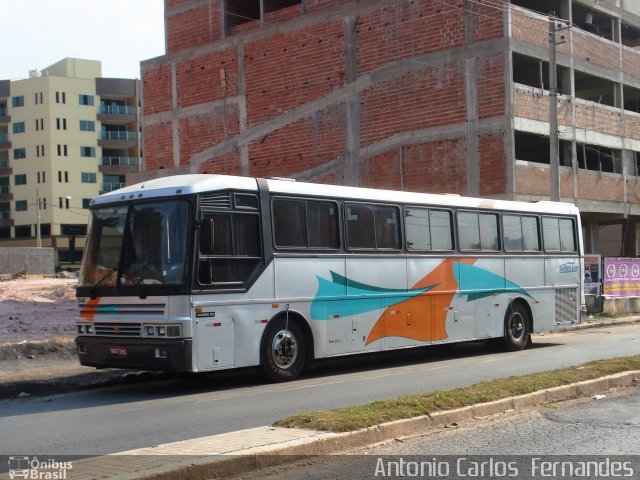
(66, 203)
(59, 150)
(23, 231)
(61, 97)
(21, 205)
(38, 177)
(38, 98)
(17, 101)
(88, 177)
(61, 123)
(86, 203)
(42, 177)
(18, 127)
(19, 153)
(87, 151)
(85, 99)
(64, 150)
(59, 176)
(66, 177)
(44, 204)
(20, 179)
(59, 202)
(87, 126)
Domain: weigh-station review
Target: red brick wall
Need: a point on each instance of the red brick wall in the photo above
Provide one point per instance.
(535, 180)
(491, 87)
(293, 68)
(429, 98)
(156, 84)
(228, 164)
(159, 152)
(303, 60)
(198, 133)
(195, 26)
(207, 78)
(488, 20)
(493, 173)
(437, 167)
(298, 146)
(407, 30)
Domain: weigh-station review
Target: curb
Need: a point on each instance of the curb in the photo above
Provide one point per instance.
(601, 324)
(239, 461)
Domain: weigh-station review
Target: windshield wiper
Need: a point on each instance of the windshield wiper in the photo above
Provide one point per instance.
(106, 277)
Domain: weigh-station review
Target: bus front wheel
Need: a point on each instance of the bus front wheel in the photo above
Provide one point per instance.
(283, 351)
(516, 328)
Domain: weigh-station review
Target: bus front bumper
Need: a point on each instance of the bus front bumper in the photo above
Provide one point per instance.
(171, 355)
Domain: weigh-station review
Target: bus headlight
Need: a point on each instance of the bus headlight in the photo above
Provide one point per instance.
(174, 331)
(84, 328)
(162, 331)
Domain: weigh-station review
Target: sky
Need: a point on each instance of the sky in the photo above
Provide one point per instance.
(119, 33)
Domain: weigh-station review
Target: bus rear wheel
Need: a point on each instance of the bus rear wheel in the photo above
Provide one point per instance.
(516, 328)
(283, 351)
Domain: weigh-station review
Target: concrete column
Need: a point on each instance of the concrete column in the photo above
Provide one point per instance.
(591, 238)
(629, 238)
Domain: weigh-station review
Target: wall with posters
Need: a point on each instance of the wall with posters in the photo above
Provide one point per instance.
(621, 277)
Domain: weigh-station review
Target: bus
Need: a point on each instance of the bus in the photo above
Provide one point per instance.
(196, 273)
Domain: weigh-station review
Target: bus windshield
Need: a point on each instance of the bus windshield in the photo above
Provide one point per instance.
(137, 244)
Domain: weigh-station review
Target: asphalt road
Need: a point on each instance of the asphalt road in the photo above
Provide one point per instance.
(120, 418)
(526, 443)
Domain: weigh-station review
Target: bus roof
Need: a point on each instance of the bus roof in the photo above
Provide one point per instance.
(197, 183)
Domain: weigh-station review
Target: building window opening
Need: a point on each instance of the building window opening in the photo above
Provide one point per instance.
(598, 158)
(540, 6)
(595, 89)
(631, 98)
(630, 35)
(592, 21)
(273, 5)
(242, 11)
(532, 147)
(535, 73)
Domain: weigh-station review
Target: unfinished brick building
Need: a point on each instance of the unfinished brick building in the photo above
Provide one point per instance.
(422, 95)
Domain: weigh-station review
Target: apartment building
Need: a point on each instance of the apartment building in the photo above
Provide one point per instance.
(66, 135)
(422, 95)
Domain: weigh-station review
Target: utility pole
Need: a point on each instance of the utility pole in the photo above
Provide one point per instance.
(38, 237)
(554, 170)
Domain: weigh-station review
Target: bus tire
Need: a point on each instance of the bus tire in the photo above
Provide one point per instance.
(283, 351)
(516, 328)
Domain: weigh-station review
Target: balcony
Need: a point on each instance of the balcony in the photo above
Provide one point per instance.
(117, 114)
(4, 141)
(118, 139)
(5, 218)
(5, 169)
(110, 187)
(4, 116)
(118, 165)
(5, 193)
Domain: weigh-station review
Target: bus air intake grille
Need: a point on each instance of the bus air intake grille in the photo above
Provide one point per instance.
(118, 329)
(566, 305)
(215, 201)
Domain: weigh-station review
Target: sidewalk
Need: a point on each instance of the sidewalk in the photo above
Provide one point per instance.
(233, 453)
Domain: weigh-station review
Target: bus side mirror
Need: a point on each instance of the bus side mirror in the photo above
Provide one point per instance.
(207, 236)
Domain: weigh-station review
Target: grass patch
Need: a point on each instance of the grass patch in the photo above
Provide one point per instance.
(606, 316)
(380, 411)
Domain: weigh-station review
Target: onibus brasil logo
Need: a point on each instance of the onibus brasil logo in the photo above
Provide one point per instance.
(36, 469)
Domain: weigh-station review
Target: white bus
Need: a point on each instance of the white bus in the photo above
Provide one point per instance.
(211, 272)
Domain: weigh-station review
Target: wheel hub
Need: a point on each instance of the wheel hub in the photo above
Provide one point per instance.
(284, 349)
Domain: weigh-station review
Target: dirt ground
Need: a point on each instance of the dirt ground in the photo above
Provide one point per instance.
(37, 308)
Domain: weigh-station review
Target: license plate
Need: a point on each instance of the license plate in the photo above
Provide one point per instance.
(118, 351)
